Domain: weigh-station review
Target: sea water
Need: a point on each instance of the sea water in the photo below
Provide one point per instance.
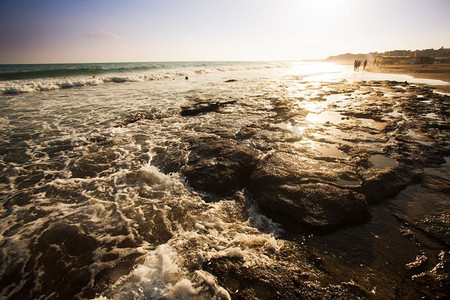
(44, 77)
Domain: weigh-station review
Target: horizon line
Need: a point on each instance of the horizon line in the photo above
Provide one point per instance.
(163, 61)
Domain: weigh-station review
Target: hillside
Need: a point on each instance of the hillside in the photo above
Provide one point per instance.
(438, 53)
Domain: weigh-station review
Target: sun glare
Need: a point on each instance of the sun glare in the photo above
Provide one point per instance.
(322, 5)
(306, 68)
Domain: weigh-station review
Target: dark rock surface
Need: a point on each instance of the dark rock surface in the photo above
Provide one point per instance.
(64, 253)
(220, 166)
(437, 179)
(282, 188)
(203, 107)
(151, 114)
(276, 282)
(169, 159)
(383, 185)
(211, 164)
(425, 210)
(331, 182)
(437, 280)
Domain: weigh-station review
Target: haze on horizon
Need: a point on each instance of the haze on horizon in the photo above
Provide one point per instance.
(50, 31)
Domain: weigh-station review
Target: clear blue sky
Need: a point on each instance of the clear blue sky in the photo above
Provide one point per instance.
(34, 31)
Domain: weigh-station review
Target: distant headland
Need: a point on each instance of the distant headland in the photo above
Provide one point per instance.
(441, 55)
(426, 63)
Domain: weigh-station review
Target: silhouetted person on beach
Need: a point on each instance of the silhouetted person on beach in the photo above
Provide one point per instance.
(356, 65)
(365, 64)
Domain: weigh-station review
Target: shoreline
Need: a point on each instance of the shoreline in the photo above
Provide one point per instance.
(423, 71)
(432, 71)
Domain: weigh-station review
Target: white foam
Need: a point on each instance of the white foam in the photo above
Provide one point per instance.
(47, 84)
(263, 223)
(158, 276)
(206, 232)
(183, 289)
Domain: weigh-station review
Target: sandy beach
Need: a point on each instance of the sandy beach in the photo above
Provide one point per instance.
(428, 71)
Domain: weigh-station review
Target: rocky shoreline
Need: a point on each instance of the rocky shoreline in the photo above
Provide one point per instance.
(283, 180)
(263, 187)
(317, 163)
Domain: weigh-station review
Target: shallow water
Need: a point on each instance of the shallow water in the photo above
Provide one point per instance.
(85, 213)
(347, 73)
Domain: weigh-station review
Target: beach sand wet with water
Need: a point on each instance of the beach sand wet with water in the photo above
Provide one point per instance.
(259, 183)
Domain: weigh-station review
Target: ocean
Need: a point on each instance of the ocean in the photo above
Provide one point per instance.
(44, 77)
(128, 181)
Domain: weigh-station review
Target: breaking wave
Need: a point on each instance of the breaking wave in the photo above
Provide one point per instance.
(16, 79)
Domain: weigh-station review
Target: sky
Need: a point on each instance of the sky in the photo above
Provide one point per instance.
(65, 31)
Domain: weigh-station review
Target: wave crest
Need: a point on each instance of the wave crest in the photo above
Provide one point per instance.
(136, 74)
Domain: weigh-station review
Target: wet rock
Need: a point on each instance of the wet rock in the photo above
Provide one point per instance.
(248, 131)
(151, 114)
(199, 108)
(136, 117)
(437, 225)
(285, 110)
(219, 166)
(231, 80)
(127, 243)
(437, 179)
(384, 184)
(169, 159)
(63, 253)
(426, 210)
(266, 137)
(434, 284)
(417, 263)
(203, 107)
(302, 196)
(275, 282)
